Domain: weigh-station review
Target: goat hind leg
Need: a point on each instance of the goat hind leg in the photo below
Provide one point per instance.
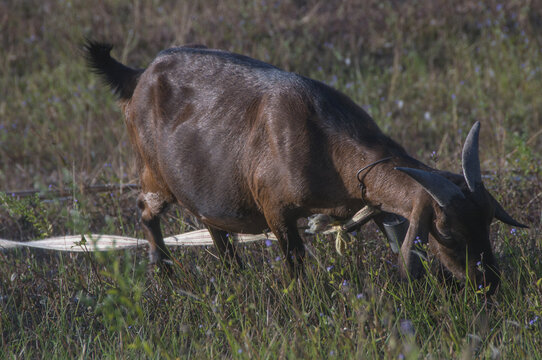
(152, 205)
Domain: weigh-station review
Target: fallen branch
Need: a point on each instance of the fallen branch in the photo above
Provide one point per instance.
(96, 242)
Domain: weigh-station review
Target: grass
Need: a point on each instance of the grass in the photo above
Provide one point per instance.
(424, 70)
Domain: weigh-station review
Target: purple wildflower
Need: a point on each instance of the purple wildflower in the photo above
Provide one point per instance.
(407, 327)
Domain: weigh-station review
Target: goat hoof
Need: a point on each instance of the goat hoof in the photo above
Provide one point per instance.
(166, 267)
(161, 266)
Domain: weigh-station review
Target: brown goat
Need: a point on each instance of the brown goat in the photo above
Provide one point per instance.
(245, 146)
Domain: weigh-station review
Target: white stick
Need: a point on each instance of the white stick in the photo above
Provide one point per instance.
(97, 242)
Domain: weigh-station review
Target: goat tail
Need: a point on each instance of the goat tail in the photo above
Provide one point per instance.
(120, 78)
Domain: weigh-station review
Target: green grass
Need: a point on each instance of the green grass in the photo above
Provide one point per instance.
(350, 306)
(424, 70)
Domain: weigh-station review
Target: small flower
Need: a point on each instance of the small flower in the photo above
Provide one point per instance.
(359, 296)
(400, 104)
(513, 231)
(407, 327)
(329, 268)
(30, 39)
(533, 321)
(277, 258)
(427, 116)
(240, 351)
(268, 243)
(345, 283)
(331, 353)
(453, 96)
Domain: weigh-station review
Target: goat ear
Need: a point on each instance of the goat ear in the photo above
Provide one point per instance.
(471, 159)
(441, 189)
(502, 215)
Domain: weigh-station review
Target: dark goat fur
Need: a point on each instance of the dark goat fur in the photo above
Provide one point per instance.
(245, 146)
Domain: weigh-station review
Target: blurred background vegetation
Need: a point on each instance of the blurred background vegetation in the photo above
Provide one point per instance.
(426, 70)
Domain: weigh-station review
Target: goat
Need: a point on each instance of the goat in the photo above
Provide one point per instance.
(245, 146)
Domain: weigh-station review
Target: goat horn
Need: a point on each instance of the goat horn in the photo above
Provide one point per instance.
(471, 160)
(502, 215)
(441, 189)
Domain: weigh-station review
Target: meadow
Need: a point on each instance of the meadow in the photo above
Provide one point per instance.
(425, 70)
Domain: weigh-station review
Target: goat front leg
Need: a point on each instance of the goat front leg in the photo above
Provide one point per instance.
(152, 205)
(226, 249)
(411, 255)
(289, 240)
